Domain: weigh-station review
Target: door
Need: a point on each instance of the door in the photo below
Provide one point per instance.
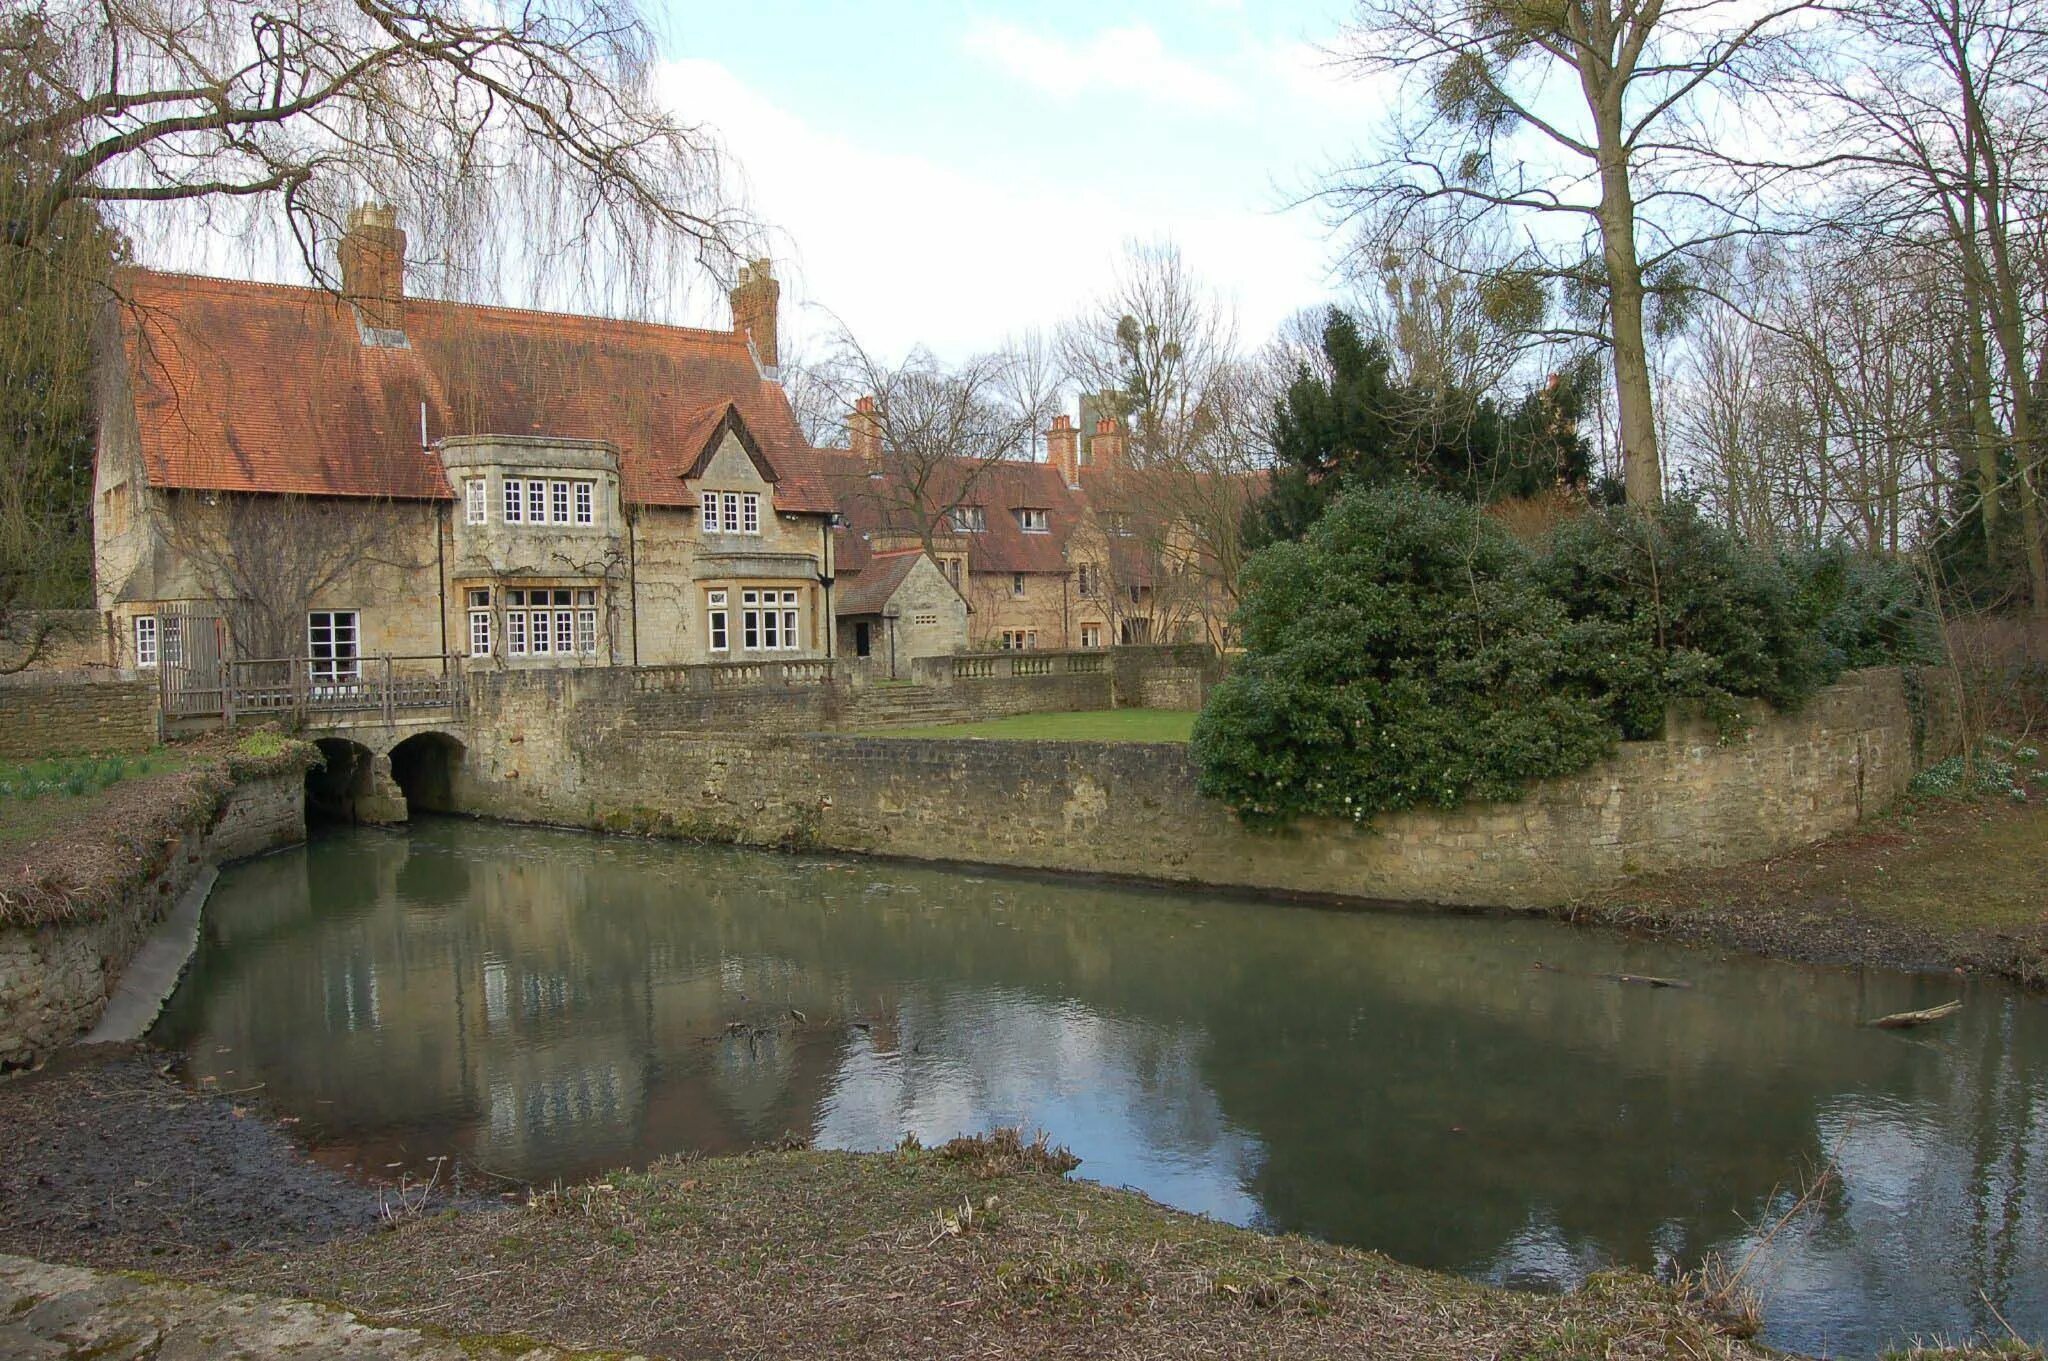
(863, 643)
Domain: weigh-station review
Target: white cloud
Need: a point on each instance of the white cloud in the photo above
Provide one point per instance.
(906, 250)
(1129, 60)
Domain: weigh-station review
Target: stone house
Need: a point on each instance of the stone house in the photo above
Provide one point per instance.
(902, 605)
(284, 472)
(1079, 551)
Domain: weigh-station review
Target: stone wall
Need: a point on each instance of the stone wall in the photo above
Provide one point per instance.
(55, 980)
(54, 640)
(54, 714)
(1132, 810)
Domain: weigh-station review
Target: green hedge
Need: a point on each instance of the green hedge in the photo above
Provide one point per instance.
(1409, 651)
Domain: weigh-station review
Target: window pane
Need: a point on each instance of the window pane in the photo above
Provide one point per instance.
(752, 523)
(480, 633)
(565, 630)
(145, 640)
(789, 630)
(513, 501)
(538, 636)
(536, 502)
(586, 501)
(479, 597)
(477, 503)
(711, 512)
(750, 623)
(718, 639)
(586, 631)
(515, 633)
(586, 597)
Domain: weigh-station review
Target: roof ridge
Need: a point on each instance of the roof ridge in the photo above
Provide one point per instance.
(498, 309)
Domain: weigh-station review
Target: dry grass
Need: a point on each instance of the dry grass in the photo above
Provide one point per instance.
(1958, 883)
(68, 859)
(808, 1254)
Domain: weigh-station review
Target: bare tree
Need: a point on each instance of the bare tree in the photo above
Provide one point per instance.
(267, 560)
(929, 431)
(1588, 115)
(1939, 128)
(465, 115)
(1162, 350)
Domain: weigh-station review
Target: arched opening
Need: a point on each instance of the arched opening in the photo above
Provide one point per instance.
(338, 789)
(427, 767)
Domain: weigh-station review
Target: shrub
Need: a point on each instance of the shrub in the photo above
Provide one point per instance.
(1409, 650)
(1869, 611)
(1399, 654)
(1680, 608)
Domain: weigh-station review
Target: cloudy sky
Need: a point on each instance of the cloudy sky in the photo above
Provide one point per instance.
(950, 174)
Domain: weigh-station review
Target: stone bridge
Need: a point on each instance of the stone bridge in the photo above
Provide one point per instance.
(384, 771)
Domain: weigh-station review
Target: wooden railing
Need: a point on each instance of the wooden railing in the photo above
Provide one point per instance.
(308, 690)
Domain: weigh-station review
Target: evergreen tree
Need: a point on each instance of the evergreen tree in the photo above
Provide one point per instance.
(1364, 426)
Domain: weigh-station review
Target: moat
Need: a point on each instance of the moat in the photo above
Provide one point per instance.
(535, 1005)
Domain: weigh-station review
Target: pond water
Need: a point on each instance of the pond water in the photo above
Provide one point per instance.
(542, 1004)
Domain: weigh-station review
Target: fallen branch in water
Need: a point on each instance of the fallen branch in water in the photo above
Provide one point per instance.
(1906, 1020)
(1646, 980)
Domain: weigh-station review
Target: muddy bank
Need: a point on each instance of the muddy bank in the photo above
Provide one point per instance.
(111, 1160)
(1938, 886)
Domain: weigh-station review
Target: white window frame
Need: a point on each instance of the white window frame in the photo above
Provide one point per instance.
(558, 502)
(146, 632)
(1016, 585)
(515, 501)
(1033, 520)
(586, 503)
(477, 500)
(717, 620)
(338, 667)
(1091, 635)
(970, 519)
(515, 633)
(750, 513)
(536, 501)
(479, 633)
(790, 610)
(731, 502)
(710, 512)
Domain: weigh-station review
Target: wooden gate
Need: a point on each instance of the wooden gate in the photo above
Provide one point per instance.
(191, 668)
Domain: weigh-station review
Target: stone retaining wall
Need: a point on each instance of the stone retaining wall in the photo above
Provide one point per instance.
(55, 980)
(57, 714)
(1132, 810)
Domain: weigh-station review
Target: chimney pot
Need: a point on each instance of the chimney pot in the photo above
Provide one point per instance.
(756, 301)
(373, 266)
(864, 431)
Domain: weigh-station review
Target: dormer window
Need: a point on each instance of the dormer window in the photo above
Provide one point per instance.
(1034, 520)
(1119, 522)
(970, 519)
(731, 512)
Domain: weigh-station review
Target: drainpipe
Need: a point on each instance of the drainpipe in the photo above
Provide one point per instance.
(441, 554)
(633, 581)
(825, 557)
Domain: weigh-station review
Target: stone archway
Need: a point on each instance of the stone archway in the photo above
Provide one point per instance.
(427, 768)
(339, 789)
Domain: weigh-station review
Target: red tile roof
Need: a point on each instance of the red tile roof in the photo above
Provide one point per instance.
(873, 506)
(869, 591)
(269, 388)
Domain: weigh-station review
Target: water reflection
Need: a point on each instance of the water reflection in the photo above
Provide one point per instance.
(544, 1004)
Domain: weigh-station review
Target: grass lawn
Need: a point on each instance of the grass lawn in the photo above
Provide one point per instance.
(39, 796)
(1093, 725)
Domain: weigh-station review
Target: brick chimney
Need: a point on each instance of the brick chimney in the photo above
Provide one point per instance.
(864, 432)
(1062, 449)
(1106, 450)
(756, 300)
(373, 266)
